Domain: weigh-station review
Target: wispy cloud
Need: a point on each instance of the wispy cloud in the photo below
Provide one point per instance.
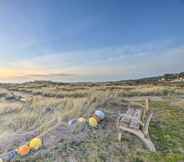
(111, 63)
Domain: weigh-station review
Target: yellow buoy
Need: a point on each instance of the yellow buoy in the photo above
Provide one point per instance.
(35, 143)
(23, 150)
(82, 120)
(97, 118)
(93, 122)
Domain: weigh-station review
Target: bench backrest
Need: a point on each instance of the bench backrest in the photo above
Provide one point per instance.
(132, 117)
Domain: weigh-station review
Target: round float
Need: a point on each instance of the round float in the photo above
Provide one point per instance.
(23, 150)
(100, 114)
(82, 120)
(93, 122)
(35, 143)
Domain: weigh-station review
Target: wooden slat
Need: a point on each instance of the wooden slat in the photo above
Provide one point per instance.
(135, 120)
(127, 116)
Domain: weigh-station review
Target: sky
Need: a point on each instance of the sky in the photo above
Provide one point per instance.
(90, 40)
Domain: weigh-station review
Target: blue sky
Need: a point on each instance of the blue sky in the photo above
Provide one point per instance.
(90, 40)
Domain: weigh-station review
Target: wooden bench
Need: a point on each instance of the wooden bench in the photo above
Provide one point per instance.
(136, 121)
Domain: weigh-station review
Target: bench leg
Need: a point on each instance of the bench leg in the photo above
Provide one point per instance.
(119, 136)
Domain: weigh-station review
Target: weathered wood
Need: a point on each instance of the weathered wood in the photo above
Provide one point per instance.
(147, 100)
(119, 136)
(135, 124)
(146, 141)
(146, 127)
(127, 116)
(147, 104)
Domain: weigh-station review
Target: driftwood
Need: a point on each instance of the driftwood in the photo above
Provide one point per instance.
(133, 122)
(147, 142)
(146, 126)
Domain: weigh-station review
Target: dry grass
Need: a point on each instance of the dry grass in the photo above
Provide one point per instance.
(46, 103)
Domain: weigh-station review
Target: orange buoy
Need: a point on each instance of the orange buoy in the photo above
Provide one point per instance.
(23, 150)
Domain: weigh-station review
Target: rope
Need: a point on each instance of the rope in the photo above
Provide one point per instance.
(23, 137)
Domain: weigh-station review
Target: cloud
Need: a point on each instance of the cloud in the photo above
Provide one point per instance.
(30, 74)
(47, 75)
(110, 63)
(89, 56)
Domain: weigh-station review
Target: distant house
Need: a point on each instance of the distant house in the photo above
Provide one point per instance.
(181, 78)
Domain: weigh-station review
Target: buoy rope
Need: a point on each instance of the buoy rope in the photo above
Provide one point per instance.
(11, 155)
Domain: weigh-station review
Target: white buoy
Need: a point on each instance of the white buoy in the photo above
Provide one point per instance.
(100, 114)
